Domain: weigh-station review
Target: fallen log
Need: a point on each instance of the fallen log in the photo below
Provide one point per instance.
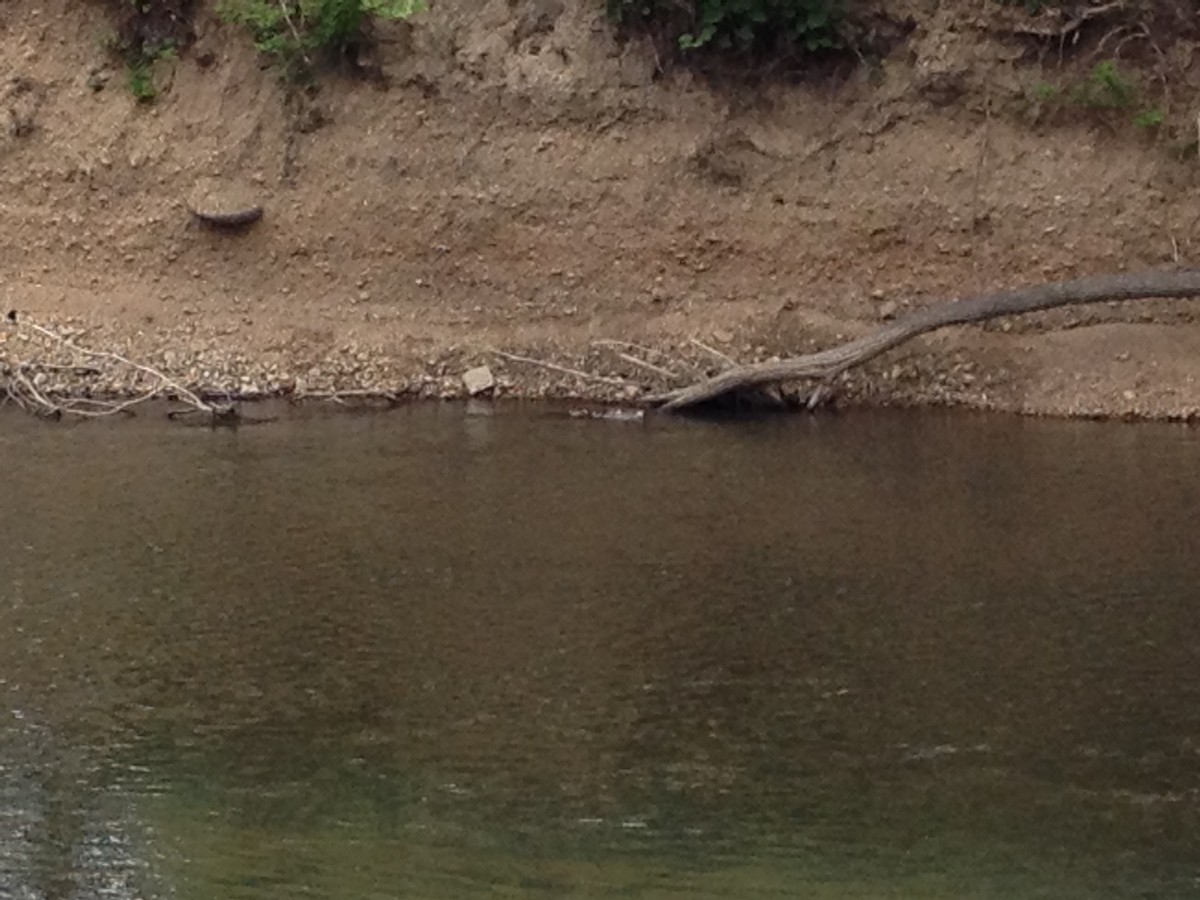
(829, 363)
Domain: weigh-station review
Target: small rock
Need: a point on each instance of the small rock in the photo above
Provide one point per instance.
(478, 380)
(887, 309)
(722, 336)
(223, 203)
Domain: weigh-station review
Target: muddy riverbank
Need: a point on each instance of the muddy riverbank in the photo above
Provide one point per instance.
(551, 193)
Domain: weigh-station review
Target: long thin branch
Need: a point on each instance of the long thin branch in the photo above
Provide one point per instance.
(724, 357)
(21, 387)
(829, 363)
(565, 370)
(179, 389)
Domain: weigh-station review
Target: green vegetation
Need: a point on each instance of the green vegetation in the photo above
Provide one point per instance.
(1149, 118)
(743, 26)
(143, 33)
(1105, 90)
(139, 67)
(293, 32)
(141, 81)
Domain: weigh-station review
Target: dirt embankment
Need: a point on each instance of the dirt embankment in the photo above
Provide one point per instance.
(516, 178)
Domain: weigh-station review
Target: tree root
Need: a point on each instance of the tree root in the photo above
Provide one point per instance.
(829, 363)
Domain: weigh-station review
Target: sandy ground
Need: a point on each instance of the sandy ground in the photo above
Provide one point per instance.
(517, 180)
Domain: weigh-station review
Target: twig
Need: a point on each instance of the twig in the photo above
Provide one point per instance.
(1068, 28)
(628, 345)
(23, 390)
(180, 390)
(1132, 32)
(634, 360)
(287, 17)
(554, 367)
(666, 373)
(77, 406)
(724, 357)
(651, 351)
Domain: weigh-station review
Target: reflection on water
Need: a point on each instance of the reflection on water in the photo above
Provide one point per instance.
(437, 655)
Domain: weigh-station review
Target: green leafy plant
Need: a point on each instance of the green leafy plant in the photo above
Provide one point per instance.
(1149, 118)
(738, 25)
(1044, 91)
(294, 31)
(139, 67)
(1106, 87)
(1105, 91)
(141, 81)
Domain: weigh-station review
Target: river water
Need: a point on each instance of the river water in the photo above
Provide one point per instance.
(434, 654)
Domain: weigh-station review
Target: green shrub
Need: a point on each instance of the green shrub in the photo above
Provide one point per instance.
(144, 32)
(1106, 87)
(139, 68)
(1150, 118)
(140, 80)
(1104, 94)
(743, 26)
(295, 31)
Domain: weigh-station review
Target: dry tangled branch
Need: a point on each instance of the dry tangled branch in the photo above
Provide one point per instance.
(829, 363)
(25, 382)
(1056, 23)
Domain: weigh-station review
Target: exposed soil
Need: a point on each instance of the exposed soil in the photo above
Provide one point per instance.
(515, 178)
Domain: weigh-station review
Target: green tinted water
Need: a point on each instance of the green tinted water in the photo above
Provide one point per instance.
(437, 655)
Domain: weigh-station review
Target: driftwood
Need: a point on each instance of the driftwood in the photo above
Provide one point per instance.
(829, 363)
(19, 383)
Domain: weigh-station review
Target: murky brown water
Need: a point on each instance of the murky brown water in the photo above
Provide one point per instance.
(433, 655)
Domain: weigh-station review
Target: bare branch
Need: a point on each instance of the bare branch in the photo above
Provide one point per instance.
(554, 367)
(826, 364)
(724, 357)
(24, 390)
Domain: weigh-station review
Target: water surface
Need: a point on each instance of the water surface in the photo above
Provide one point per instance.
(438, 655)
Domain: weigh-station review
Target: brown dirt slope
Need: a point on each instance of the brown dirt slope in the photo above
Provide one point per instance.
(515, 178)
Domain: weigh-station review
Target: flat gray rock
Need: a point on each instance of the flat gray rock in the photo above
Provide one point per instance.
(479, 380)
(223, 203)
